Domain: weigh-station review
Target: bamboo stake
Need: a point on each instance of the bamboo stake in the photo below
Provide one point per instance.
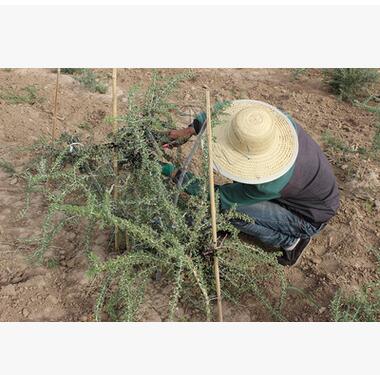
(55, 105)
(212, 207)
(115, 168)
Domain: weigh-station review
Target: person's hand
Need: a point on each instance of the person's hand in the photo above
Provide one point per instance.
(179, 136)
(181, 133)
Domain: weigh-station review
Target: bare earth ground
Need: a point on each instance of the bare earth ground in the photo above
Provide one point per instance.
(339, 258)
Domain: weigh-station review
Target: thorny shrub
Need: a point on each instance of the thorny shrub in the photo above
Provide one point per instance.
(172, 240)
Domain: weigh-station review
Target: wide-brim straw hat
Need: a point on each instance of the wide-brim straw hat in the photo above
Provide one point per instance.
(254, 142)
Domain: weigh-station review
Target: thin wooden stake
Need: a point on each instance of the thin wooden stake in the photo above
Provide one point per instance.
(55, 105)
(212, 207)
(115, 167)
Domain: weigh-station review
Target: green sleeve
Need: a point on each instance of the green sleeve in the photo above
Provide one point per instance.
(243, 194)
(190, 182)
(167, 169)
(237, 193)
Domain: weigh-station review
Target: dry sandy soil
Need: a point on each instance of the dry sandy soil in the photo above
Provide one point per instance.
(338, 259)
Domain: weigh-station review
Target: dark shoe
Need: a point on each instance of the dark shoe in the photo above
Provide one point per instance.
(290, 257)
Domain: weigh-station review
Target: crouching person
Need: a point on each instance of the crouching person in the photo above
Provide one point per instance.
(281, 178)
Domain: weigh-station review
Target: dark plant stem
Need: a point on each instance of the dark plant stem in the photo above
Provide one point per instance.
(188, 160)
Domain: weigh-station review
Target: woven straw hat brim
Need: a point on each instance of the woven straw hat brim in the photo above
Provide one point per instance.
(266, 166)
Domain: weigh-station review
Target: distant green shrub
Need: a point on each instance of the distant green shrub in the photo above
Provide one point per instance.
(350, 83)
(88, 78)
(27, 95)
(363, 306)
(71, 70)
(91, 81)
(297, 73)
(7, 167)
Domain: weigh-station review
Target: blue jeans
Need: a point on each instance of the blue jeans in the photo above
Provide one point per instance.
(274, 225)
